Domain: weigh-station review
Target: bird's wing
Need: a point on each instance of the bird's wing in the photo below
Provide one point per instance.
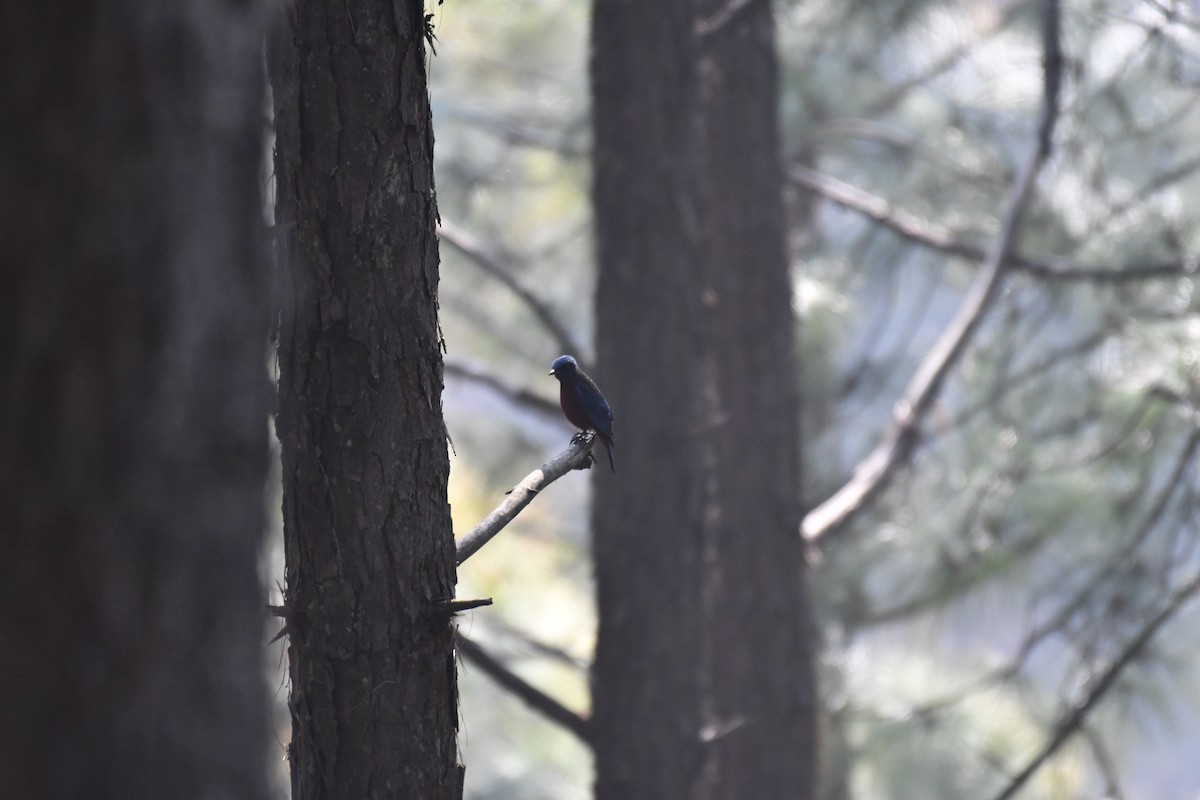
(595, 406)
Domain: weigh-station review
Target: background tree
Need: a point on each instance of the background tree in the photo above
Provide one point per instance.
(368, 542)
(1010, 609)
(133, 401)
(703, 676)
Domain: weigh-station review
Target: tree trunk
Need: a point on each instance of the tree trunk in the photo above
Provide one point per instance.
(703, 681)
(368, 539)
(133, 401)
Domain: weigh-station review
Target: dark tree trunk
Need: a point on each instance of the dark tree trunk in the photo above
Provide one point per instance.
(703, 682)
(133, 401)
(369, 545)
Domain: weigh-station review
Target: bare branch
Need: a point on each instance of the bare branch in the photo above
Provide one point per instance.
(964, 576)
(577, 456)
(729, 14)
(522, 133)
(538, 700)
(841, 130)
(1070, 723)
(927, 234)
(517, 395)
(1059, 619)
(1112, 566)
(896, 445)
(464, 243)
(451, 607)
(1105, 763)
(1020, 379)
(534, 645)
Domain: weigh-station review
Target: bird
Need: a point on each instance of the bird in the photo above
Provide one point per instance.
(583, 404)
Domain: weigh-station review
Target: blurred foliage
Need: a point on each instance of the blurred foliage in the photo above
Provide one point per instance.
(1050, 510)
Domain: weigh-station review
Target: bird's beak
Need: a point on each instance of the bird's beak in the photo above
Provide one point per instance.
(551, 372)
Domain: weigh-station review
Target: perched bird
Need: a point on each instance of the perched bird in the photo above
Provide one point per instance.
(583, 404)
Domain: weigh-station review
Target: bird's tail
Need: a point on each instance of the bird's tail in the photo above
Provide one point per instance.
(611, 461)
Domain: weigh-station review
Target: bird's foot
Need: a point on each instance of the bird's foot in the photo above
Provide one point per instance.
(580, 437)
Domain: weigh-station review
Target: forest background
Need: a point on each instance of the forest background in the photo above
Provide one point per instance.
(894, 302)
(1048, 515)
(1050, 510)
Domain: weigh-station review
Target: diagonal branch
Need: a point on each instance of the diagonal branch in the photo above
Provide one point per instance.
(577, 456)
(727, 15)
(517, 395)
(927, 234)
(466, 244)
(523, 133)
(1074, 719)
(538, 700)
(537, 646)
(1105, 762)
(875, 472)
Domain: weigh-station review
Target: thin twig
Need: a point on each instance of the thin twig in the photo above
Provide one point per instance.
(538, 647)
(1071, 607)
(1075, 717)
(577, 456)
(875, 472)
(1113, 565)
(535, 698)
(907, 143)
(1105, 763)
(927, 234)
(462, 241)
(451, 607)
(728, 14)
(1020, 379)
(523, 133)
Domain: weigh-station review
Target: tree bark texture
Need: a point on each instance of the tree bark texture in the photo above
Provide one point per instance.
(134, 401)
(368, 540)
(703, 684)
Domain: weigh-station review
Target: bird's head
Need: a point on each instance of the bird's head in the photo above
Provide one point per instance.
(563, 367)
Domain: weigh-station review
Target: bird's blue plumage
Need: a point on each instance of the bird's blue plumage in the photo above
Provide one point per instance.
(583, 403)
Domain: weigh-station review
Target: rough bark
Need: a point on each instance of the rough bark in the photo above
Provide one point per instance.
(368, 539)
(133, 401)
(703, 681)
